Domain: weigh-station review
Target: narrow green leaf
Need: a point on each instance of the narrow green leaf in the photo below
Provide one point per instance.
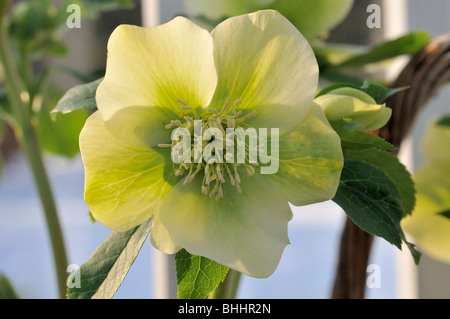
(396, 171)
(445, 213)
(378, 92)
(80, 97)
(5, 110)
(6, 289)
(95, 6)
(105, 270)
(371, 200)
(354, 139)
(406, 44)
(197, 276)
(445, 121)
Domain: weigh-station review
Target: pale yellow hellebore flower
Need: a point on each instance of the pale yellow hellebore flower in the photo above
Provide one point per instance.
(255, 70)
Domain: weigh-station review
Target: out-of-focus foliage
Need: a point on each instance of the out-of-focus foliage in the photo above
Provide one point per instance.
(312, 18)
(35, 30)
(429, 224)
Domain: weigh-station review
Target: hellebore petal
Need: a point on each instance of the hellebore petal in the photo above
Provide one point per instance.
(430, 229)
(124, 184)
(160, 237)
(247, 232)
(156, 66)
(264, 61)
(310, 161)
(356, 105)
(429, 224)
(436, 143)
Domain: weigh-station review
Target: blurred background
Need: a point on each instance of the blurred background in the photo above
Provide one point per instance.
(308, 265)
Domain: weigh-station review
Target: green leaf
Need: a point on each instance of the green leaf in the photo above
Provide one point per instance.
(371, 200)
(445, 121)
(378, 92)
(59, 135)
(395, 170)
(5, 110)
(96, 6)
(105, 270)
(197, 276)
(80, 97)
(354, 139)
(445, 213)
(35, 27)
(6, 289)
(407, 44)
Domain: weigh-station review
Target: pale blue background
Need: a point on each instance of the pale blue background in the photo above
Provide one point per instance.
(306, 269)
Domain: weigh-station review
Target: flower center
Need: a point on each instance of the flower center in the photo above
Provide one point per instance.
(198, 143)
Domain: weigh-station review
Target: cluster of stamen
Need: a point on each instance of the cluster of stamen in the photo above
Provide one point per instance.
(215, 173)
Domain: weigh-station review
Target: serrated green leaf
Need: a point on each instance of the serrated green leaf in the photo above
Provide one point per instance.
(406, 44)
(395, 170)
(354, 139)
(197, 276)
(80, 97)
(380, 93)
(6, 289)
(371, 200)
(105, 270)
(445, 213)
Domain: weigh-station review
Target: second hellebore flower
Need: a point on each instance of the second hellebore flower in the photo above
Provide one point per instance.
(429, 224)
(255, 71)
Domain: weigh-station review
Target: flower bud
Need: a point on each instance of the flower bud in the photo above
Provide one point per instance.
(356, 105)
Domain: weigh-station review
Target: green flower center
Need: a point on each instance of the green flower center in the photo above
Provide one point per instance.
(199, 140)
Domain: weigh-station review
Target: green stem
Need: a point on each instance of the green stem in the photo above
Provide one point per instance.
(228, 288)
(27, 136)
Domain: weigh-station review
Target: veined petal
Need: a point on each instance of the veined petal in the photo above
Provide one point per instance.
(310, 161)
(160, 238)
(124, 184)
(156, 66)
(247, 232)
(264, 61)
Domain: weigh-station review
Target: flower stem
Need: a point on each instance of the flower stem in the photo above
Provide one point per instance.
(27, 137)
(228, 288)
